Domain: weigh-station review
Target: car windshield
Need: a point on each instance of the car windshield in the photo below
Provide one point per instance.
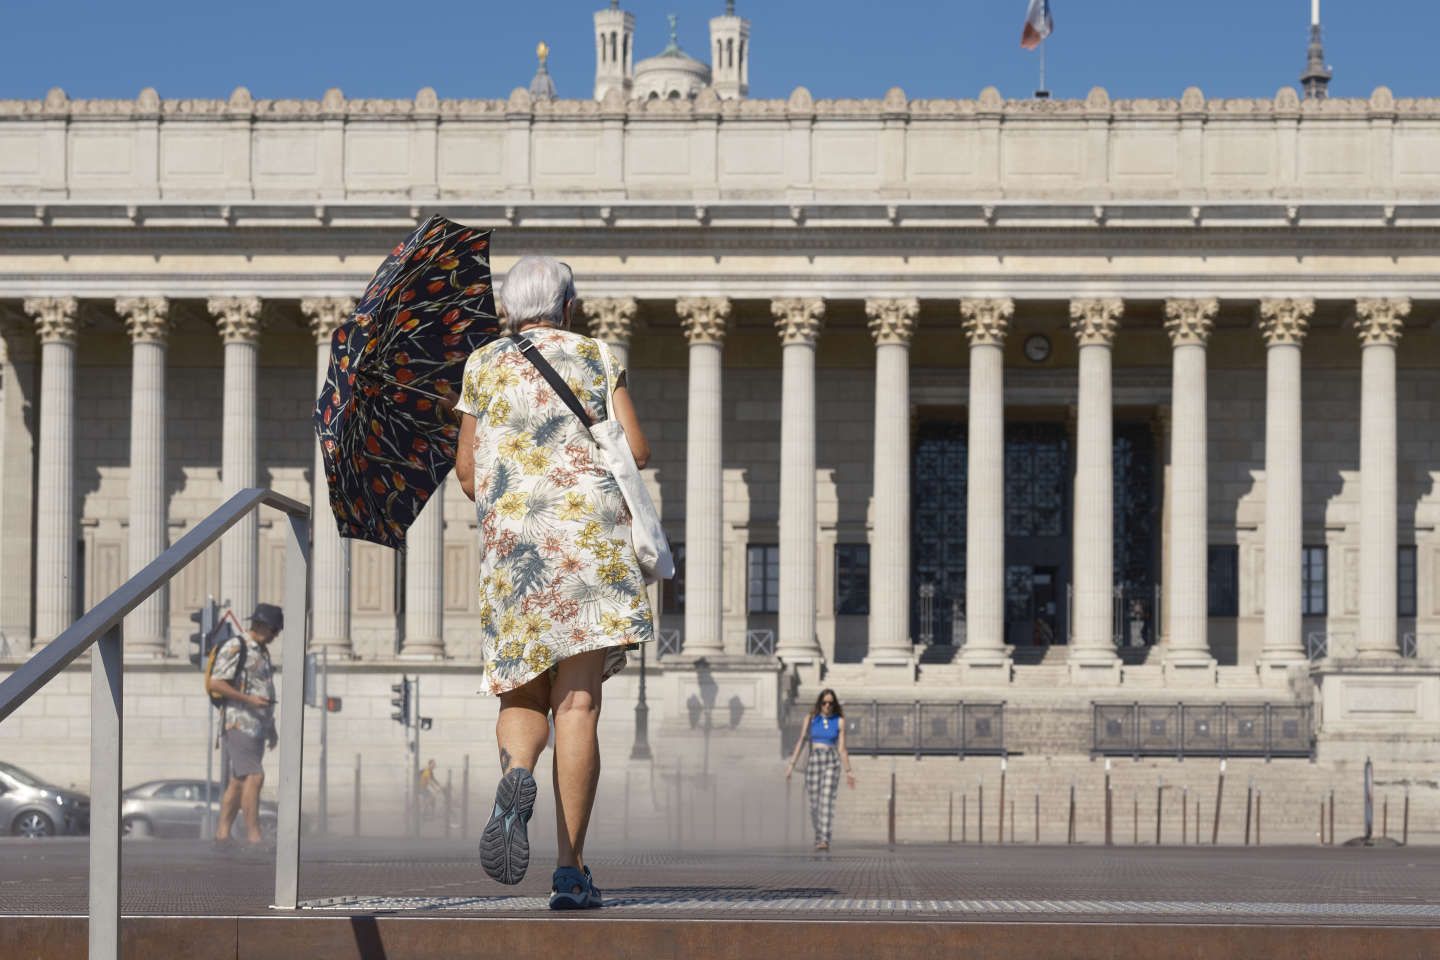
(15, 773)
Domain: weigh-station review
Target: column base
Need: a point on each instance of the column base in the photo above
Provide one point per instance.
(1089, 668)
(892, 667)
(1190, 670)
(426, 652)
(985, 666)
(1276, 670)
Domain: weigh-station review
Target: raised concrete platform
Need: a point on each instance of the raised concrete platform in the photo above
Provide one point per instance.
(395, 899)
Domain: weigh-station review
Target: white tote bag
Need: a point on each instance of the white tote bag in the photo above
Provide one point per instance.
(652, 548)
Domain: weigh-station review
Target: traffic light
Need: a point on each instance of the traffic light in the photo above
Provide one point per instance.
(332, 704)
(401, 702)
(206, 619)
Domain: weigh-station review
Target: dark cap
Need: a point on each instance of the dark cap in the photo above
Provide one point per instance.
(270, 615)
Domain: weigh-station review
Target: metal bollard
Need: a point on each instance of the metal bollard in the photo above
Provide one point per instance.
(964, 818)
(1109, 808)
(1159, 801)
(1332, 816)
(980, 812)
(1070, 817)
(1249, 800)
(1219, 796)
(465, 800)
(1135, 819)
(1184, 815)
(355, 804)
(950, 818)
(1322, 823)
(449, 805)
(1000, 834)
(1385, 816)
(1012, 819)
(891, 831)
(1037, 817)
(1258, 798)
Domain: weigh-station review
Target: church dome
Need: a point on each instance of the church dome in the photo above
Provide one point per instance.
(672, 74)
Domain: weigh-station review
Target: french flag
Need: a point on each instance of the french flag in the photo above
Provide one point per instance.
(1038, 24)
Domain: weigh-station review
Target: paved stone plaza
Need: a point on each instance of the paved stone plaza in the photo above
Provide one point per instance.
(923, 882)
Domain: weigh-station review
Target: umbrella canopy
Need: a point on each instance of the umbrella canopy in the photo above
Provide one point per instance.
(384, 436)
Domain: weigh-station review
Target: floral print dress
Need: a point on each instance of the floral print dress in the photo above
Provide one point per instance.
(558, 574)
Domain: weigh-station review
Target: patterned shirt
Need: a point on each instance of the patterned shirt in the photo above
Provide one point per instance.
(259, 681)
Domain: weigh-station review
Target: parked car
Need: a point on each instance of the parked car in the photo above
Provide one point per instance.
(30, 807)
(176, 808)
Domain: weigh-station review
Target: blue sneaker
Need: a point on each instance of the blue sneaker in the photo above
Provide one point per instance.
(505, 844)
(571, 889)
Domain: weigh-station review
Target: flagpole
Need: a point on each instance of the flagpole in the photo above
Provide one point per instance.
(1042, 93)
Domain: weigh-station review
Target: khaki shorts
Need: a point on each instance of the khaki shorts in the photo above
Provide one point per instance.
(245, 753)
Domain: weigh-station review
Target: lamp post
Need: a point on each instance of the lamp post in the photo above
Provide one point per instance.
(641, 749)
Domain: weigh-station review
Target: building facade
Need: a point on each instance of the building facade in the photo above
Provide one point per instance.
(1042, 400)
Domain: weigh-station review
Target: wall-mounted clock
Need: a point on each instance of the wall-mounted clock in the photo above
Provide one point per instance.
(1037, 347)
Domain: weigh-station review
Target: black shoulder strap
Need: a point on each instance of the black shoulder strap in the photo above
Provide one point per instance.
(532, 353)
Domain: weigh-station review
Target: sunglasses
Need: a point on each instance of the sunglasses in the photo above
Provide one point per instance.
(827, 703)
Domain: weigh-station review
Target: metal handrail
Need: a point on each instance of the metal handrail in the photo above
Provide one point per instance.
(100, 626)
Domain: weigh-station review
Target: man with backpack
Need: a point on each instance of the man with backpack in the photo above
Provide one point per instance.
(241, 684)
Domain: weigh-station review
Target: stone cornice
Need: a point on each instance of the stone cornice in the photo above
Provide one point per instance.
(57, 319)
(1189, 322)
(892, 322)
(800, 104)
(1381, 320)
(237, 318)
(1095, 320)
(986, 320)
(611, 319)
(324, 314)
(1284, 321)
(146, 319)
(798, 319)
(704, 319)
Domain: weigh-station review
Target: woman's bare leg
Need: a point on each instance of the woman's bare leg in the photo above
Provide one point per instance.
(575, 699)
(523, 728)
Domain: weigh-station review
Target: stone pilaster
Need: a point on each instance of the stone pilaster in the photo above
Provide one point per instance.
(1092, 645)
(238, 321)
(17, 478)
(425, 582)
(612, 321)
(986, 324)
(147, 322)
(892, 324)
(330, 553)
(1283, 324)
(1379, 323)
(1187, 655)
(57, 575)
(704, 321)
(799, 322)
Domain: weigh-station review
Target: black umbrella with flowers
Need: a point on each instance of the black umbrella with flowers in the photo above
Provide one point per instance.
(386, 435)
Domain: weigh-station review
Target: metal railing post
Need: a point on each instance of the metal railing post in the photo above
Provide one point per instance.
(107, 727)
(292, 712)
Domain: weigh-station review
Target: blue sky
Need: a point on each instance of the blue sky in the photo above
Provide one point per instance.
(838, 48)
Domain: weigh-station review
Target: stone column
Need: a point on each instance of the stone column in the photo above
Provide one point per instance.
(1092, 644)
(612, 321)
(799, 322)
(425, 582)
(892, 324)
(146, 321)
(18, 407)
(986, 323)
(1283, 323)
(1189, 323)
(329, 552)
(56, 571)
(238, 319)
(704, 322)
(1379, 324)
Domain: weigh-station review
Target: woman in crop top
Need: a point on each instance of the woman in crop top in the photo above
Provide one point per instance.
(824, 730)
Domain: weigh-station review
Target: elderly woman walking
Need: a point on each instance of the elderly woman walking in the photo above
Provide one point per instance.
(824, 730)
(561, 593)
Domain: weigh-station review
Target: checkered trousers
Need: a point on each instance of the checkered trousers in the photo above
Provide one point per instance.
(822, 782)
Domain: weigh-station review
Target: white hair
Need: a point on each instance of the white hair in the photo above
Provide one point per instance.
(536, 289)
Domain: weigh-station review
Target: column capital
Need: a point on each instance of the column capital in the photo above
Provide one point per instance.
(238, 318)
(892, 321)
(324, 314)
(146, 318)
(1284, 321)
(612, 319)
(1381, 320)
(1096, 320)
(57, 319)
(704, 319)
(1189, 322)
(986, 321)
(798, 319)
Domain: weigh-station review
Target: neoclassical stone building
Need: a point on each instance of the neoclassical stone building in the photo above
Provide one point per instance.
(1046, 401)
